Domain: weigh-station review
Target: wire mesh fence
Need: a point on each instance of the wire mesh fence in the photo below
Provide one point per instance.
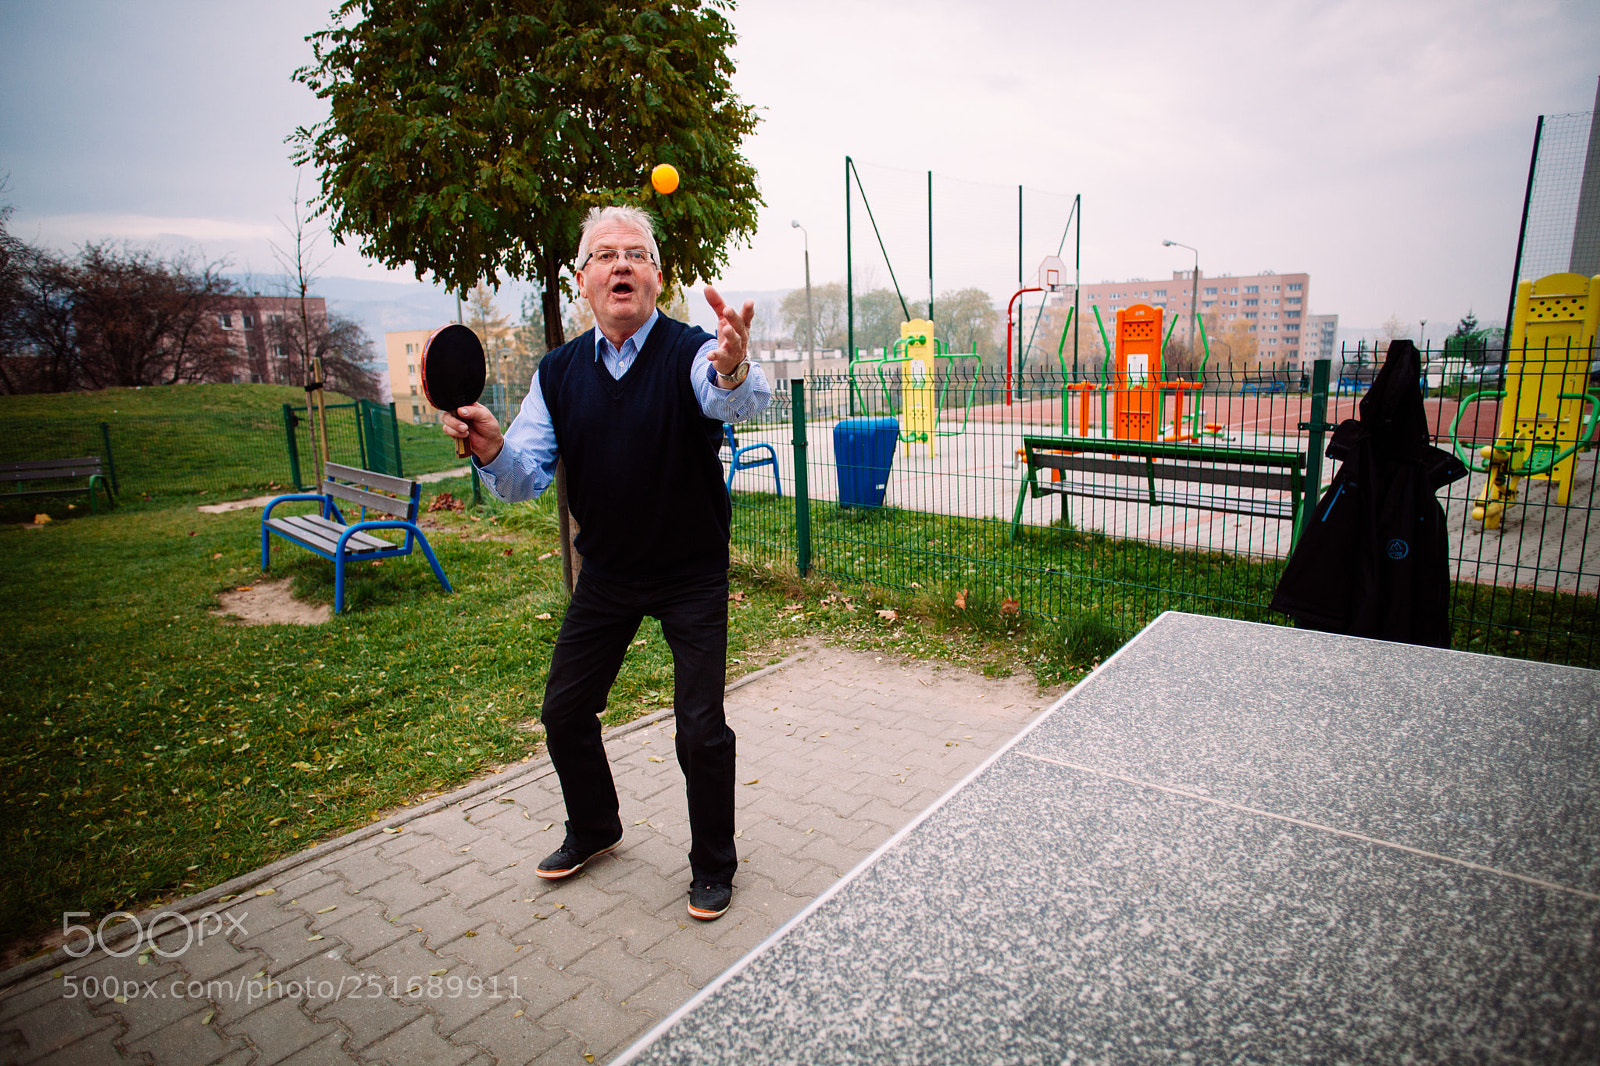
(221, 454)
(957, 517)
(1561, 231)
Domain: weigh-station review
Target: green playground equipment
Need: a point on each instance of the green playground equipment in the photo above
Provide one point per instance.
(895, 357)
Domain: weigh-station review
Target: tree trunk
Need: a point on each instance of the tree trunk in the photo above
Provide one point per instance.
(554, 335)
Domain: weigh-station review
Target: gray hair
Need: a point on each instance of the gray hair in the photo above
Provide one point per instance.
(633, 217)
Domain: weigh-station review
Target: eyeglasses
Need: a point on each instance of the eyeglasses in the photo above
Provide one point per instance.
(608, 256)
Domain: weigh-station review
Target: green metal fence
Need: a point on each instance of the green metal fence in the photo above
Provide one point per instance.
(1528, 589)
(230, 455)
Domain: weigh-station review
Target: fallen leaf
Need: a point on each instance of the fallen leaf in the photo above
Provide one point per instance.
(736, 596)
(266, 891)
(319, 936)
(1010, 606)
(244, 588)
(753, 781)
(519, 1014)
(325, 910)
(437, 973)
(656, 758)
(40, 519)
(793, 606)
(216, 555)
(470, 932)
(508, 551)
(543, 617)
(205, 1019)
(888, 615)
(961, 600)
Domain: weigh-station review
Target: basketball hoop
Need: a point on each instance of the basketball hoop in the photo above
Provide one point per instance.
(1052, 274)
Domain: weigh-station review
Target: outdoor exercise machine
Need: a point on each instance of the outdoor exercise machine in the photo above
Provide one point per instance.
(1131, 390)
(1131, 462)
(918, 355)
(1541, 424)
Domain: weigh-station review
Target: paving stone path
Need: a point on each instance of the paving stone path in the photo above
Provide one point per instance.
(427, 939)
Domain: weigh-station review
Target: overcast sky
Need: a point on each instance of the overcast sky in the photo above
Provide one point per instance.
(1380, 146)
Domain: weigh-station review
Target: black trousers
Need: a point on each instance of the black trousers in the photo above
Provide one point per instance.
(600, 622)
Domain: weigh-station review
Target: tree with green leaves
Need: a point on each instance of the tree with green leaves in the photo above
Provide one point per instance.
(468, 138)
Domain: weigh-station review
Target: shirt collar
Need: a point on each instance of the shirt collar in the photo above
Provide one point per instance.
(638, 338)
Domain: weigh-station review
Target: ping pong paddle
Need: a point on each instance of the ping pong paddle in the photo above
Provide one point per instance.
(453, 371)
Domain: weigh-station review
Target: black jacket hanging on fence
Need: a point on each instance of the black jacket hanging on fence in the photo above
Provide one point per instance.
(1373, 560)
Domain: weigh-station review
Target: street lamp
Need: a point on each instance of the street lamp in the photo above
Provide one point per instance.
(811, 324)
(1194, 294)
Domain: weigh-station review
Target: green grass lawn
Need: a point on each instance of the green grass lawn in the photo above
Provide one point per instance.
(150, 748)
(180, 441)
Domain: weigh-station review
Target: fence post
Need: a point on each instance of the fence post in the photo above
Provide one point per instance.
(802, 488)
(394, 429)
(111, 466)
(361, 434)
(1317, 426)
(289, 419)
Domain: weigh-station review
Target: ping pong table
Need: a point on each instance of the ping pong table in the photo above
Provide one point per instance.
(1231, 842)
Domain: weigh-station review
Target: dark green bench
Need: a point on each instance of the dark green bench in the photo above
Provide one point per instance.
(89, 467)
(1206, 477)
(328, 534)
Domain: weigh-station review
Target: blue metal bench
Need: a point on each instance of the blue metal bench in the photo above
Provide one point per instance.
(739, 462)
(327, 534)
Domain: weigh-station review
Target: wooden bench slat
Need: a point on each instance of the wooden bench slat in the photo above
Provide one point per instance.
(1265, 508)
(369, 479)
(52, 464)
(370, 500)
(314, 530)
(1168, 471)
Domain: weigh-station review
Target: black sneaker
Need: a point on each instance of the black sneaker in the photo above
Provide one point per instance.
(708, 900)
(568, 859)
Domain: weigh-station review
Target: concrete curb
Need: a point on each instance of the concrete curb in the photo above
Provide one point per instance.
(501, 780)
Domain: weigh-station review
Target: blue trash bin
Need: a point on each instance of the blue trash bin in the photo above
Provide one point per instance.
(863, 449)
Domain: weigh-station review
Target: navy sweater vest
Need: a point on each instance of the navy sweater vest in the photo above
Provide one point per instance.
(644, 479)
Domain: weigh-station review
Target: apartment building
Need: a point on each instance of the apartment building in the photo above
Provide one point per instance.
(258, 328)
(1273, 306)
(1319, 338)
(403, 356)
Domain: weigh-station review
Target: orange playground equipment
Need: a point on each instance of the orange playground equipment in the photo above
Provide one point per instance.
(1133, 396)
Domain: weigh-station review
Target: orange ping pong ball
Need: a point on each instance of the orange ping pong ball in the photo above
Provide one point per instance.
(664, 178)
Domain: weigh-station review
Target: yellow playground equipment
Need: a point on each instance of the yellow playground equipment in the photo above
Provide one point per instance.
(1543, 398)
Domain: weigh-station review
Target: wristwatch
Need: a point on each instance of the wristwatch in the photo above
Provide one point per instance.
(735, 379)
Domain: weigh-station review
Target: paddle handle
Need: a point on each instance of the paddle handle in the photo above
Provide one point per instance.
(461, 448)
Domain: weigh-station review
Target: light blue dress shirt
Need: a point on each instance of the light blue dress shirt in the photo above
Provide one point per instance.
(526, 465)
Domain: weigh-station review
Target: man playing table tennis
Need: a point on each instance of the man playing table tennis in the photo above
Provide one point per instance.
(634, 408)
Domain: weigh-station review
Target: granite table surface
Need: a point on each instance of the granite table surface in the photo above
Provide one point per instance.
(1231, 843)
